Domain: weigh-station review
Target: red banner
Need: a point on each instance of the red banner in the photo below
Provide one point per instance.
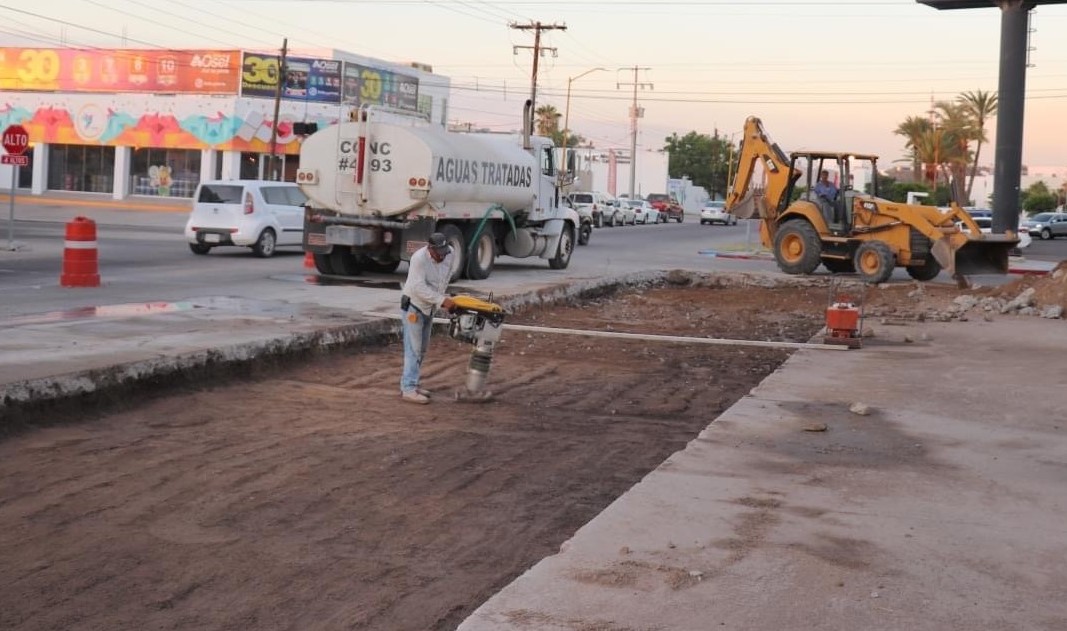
(126, 70)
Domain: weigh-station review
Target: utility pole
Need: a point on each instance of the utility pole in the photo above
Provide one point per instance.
(635, 113)
(536, 27)
(274, 175)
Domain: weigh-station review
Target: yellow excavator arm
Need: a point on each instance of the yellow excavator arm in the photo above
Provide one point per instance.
(763, 201)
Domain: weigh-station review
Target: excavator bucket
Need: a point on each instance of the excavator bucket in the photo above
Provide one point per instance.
(985, 255)
(751, 205)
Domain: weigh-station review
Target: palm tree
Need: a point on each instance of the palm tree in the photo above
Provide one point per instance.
(914, 128)
(957, 132)
(980, 106)
(547, 120)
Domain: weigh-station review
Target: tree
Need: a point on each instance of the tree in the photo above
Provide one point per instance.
(913, 128)
(1038, 198)
(980, 107)
(547, 122)
(702, 158)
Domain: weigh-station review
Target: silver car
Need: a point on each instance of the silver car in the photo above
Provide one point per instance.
(1046, 225)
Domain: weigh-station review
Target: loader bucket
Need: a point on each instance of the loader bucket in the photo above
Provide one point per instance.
(751, 205)
(986, 255)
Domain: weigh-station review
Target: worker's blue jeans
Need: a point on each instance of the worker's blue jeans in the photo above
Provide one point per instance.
(416, 329)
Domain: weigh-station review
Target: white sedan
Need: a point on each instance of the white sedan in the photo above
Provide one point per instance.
(644, 213)
(715, 212)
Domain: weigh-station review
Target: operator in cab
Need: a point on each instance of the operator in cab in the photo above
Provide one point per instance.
(824, 188)
(429, 271)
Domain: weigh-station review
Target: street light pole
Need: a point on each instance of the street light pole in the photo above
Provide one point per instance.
(567, 109)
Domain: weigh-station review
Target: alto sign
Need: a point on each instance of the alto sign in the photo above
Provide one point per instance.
(15, 141)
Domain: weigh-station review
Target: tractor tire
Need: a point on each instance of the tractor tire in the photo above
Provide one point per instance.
(927, 271)
(874, 261)
(797, 248)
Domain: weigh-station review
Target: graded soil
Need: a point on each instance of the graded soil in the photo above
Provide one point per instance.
(313, 498)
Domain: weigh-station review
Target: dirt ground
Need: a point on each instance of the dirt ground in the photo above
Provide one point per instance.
(312, 498)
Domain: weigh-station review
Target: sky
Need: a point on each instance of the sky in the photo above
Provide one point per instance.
(827, 74)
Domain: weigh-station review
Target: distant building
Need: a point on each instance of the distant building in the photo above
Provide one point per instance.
(157, 122)
(598, 170)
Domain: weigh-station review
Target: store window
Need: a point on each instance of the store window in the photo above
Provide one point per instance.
(84, 168)
(257, 166)
(164, 172)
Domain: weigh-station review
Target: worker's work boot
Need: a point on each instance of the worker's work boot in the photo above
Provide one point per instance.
(415, 397)
(424, 392)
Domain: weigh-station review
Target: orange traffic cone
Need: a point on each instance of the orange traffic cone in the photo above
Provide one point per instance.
(80, 267)
(309, 260)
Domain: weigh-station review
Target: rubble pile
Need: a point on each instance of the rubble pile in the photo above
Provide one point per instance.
(1042, 296)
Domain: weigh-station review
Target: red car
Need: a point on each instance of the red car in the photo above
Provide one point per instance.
(667, 206)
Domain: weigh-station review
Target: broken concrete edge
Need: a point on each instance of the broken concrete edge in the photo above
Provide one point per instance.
(23, 399)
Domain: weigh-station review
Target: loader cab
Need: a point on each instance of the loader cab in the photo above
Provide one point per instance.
(838, 211)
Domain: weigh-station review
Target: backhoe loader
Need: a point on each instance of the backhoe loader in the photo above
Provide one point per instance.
(854, 231)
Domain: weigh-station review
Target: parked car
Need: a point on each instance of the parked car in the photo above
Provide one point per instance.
(594, 202)
(625, 215)
(667, 206)
(714, 212)
(585, 216)
(256, 214)
(1046, 225)
(644, 213)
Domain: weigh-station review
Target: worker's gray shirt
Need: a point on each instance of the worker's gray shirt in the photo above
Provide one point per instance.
(427, 280)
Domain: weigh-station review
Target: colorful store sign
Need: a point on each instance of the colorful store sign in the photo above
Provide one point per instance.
(315, 80)
(366, 85)
(128, 70)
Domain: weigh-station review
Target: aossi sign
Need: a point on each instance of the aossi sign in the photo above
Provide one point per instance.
(15, 141)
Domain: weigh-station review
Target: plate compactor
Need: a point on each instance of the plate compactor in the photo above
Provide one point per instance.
(479, 322)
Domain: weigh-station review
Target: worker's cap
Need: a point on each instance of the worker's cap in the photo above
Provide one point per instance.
(439, 244)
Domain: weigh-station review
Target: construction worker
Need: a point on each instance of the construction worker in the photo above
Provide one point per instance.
(429, 271)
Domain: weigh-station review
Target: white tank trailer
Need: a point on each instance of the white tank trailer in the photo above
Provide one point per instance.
(380, 186)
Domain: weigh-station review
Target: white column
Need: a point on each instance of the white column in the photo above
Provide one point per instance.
(231, 165)
(40, 169)
(120, 188)
(208, 159)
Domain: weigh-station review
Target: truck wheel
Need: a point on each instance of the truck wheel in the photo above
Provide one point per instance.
(199, 248)
(322, 263)
(566, 247)
(927, 271)
(459, 249)
(874, 261)
(343, 262)
(482, 256)
(598, 221)
(584, 233)
(797, 248)
(265, 244)
(378, 267)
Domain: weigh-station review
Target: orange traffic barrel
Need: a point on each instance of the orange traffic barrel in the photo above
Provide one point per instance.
(80, 265)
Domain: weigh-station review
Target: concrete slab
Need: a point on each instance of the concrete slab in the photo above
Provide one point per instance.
(941, 509)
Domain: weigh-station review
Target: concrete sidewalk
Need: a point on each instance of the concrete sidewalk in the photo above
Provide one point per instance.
(941, 509)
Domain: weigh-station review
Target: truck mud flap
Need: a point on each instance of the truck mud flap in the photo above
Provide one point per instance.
(988, 255)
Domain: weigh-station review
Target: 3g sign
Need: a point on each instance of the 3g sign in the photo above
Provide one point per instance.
(260, 70)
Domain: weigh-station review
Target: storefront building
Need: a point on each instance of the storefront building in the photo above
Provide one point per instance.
(130, 122)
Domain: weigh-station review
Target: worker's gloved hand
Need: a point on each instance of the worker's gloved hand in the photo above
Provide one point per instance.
(448, 304)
